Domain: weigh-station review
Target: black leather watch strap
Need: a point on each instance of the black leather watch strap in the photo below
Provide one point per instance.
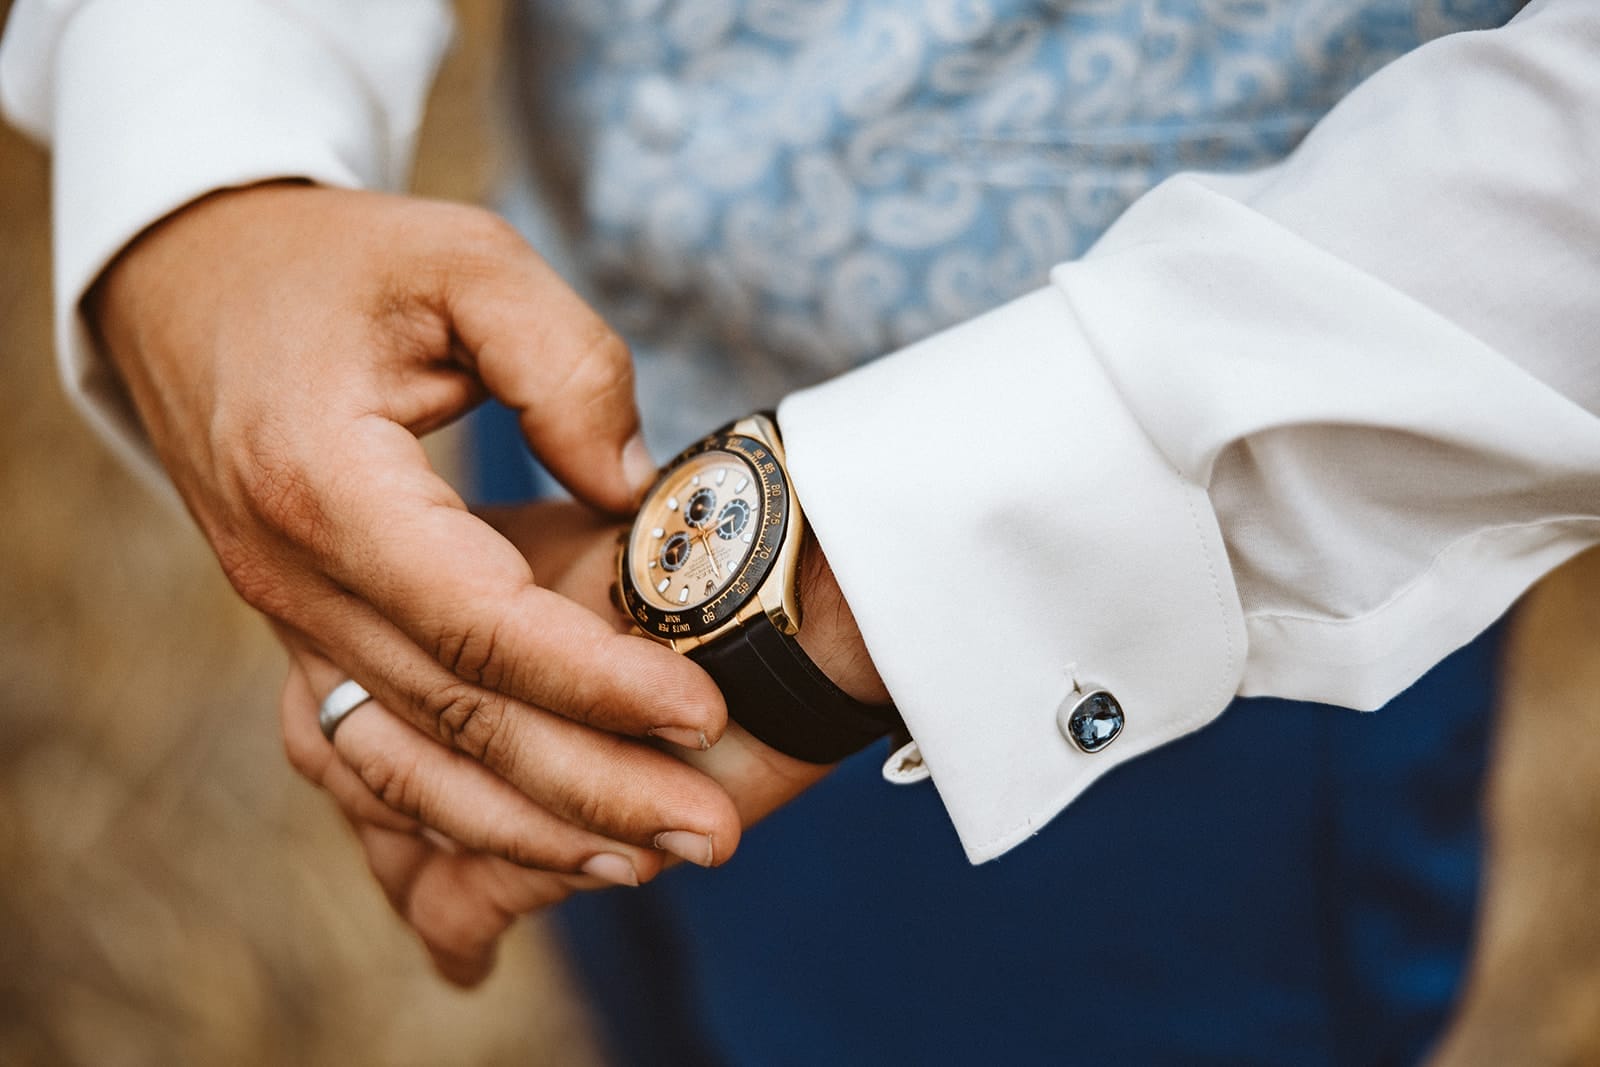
(776, 692)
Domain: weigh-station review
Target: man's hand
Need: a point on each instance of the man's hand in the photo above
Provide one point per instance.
(460, 902)
(285, 345)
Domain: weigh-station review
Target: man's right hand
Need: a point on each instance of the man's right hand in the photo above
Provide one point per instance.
(285, 344)
(438, 859)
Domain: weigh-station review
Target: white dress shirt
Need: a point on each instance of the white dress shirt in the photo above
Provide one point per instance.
(1300, 432)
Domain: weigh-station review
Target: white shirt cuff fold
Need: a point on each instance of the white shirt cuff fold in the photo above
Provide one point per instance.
(158, 102)
(981, 607)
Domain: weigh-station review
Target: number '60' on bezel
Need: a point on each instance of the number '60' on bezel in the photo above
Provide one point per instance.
(772, 523)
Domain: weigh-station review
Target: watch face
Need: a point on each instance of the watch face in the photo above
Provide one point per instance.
(705, 537)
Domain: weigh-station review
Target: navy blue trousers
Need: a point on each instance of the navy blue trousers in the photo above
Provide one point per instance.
(1294, 884)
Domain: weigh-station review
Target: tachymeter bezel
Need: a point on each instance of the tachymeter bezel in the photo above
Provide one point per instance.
(772, 517)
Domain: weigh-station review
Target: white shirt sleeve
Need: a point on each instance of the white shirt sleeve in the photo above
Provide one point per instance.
(1300, 432)
(150, 104)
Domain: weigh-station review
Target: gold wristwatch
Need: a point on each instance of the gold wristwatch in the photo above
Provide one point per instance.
(710, 568)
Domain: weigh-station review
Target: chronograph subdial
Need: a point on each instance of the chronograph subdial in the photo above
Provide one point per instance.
(733, 518)
(675, 553)
(700, 508)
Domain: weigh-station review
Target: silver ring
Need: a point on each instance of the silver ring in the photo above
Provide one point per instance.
(346, 697)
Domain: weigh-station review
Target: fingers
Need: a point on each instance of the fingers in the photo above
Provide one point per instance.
(385, 527)
(461, 931)
(388, 774)
(458, 900)
(458, 903)
(543, 352)
(531, 787)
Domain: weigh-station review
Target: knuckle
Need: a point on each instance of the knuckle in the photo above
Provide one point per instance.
(471, 653)
(607, 353)
(483, 239)
(467, 719)
(593, 809)
(391, 781)
(615, 802)
(605, 367)
(495, 231)
(600, 370)
(446, 926)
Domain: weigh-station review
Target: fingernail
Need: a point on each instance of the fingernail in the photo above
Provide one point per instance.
(610, 867)
(696, 848)
(683, 737)
(637, 466)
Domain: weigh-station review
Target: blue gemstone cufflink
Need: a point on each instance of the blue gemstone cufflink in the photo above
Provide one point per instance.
(1090, 720)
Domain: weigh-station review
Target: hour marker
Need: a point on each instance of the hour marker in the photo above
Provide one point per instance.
(732, 566)
(695, 480)
(652, 564)
(683, 595)
(750, 535)
(661, 586)
(672, 503)
(722, 476)
(658, 532)
(742, 483)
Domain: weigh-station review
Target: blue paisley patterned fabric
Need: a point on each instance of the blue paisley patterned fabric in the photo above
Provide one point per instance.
(772, 191)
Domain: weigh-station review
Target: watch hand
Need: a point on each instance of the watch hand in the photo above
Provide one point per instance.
(711, 554)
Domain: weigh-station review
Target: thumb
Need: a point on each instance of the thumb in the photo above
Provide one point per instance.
(540, 350)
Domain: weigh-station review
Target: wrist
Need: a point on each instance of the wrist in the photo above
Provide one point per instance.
(828, 631)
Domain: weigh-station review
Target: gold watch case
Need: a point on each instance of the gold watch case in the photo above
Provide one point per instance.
(690, 568)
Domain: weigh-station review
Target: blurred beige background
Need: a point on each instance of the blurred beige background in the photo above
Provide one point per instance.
(171, 894)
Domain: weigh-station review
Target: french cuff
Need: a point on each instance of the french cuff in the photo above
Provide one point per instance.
(158, 102)
(1011, 542)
